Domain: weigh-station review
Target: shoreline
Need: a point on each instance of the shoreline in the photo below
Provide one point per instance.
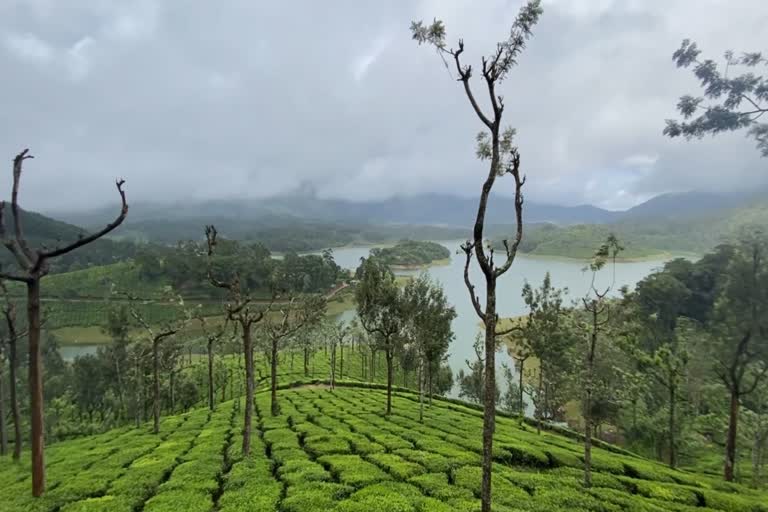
(659, 256)
(662, 256)
(420, 266)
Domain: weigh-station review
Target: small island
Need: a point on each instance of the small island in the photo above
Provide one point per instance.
(412, 254)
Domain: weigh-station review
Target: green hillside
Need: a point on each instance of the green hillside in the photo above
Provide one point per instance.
(40, 231)
(644, 237)
(334, 451)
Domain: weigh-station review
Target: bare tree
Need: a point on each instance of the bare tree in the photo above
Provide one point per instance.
(293, 316)
(339, 335)
(596, 306)
(494, 144)
(212, 336)
(3, 431)
(33, 265)
(156, 336)
(241, 310)
(9, 314)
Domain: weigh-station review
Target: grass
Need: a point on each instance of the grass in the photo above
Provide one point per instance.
(336, 452)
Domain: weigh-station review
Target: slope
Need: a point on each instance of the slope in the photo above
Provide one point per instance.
(335, 451)
(41, 230)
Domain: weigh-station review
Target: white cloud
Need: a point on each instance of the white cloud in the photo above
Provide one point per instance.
(353, 106)
(78, 61)
(134, 21)
(363, 62)
(640, 160)
(28, 47)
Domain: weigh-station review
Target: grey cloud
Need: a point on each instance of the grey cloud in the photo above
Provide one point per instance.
(201, 99)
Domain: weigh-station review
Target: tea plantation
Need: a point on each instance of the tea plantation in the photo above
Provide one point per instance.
(334, 451)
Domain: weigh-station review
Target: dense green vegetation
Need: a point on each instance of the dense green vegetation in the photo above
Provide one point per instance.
(283, 233)
(411, 253)
(644, 237)
(675, 368)
(334, 451)
(42, 231)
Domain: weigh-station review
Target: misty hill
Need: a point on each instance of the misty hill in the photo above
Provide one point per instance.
(430, 209)
(691, 221)
(690, 204)
(41, 230)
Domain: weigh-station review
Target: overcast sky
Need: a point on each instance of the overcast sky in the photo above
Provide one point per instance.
(200, 99)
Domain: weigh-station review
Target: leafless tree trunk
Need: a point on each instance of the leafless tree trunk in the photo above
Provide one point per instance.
(155, 386)
(730, 440)
(3, 431)
(33, 266)
(250, 388)
(520, 384)
(210, 374)
(390, 377)
(13, 364)
(294, 316)
(240, 311)
(156, 338)
(421, 378)
(595, 307)
(496, 145)
(333, 365)
(139, 393)
(539, 405)
(672, 426)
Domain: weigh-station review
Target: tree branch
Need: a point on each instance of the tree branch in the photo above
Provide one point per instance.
(42, 256)
(514, 170)
(512, 329)
(467, 248)
(14, 277)
(12, 243)
(464, 75)
(17, 165)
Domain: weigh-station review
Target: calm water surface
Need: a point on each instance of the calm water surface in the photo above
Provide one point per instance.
(565, 274)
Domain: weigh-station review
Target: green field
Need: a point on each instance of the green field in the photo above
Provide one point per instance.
(335, 451)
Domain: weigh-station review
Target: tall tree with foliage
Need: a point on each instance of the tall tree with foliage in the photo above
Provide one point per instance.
(472, 383)
(116, 353)
(496, 145)
(380, 307)
(32, 265)
(596, 306)
(661, 348)
(240, 310)
(429, 328)
(548, 341)
(730, 102)
(740, 347)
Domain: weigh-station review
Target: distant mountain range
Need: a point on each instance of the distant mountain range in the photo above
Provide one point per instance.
(691, 222)
(432, 210)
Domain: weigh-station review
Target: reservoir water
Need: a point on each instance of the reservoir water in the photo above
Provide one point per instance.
(565, 274)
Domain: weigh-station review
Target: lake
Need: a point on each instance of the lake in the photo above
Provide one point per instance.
(565, 274)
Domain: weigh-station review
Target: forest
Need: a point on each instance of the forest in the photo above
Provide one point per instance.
(411, 253)
(242, 368)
